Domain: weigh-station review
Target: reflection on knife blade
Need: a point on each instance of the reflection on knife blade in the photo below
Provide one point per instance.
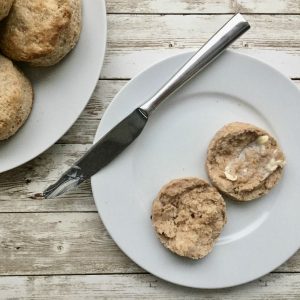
(101, 154)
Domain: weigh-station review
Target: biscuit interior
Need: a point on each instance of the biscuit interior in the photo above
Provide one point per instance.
(244, 162)
(188, 216)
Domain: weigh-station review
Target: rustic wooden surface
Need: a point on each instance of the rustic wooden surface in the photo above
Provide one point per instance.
(59, 249)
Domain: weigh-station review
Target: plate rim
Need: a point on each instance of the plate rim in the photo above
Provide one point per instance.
(93, 183)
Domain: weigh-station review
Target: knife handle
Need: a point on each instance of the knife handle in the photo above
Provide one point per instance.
(233, 29)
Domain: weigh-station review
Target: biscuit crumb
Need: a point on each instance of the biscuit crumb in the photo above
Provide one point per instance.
(188, 216)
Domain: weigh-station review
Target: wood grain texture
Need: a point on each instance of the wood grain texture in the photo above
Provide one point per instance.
(133, 45)
(203, 6)
(272, 286)
(67, 243)
(58, 243)
(84, 129)
(20, 188)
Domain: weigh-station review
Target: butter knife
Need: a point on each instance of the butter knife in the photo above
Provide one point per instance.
(126, 131)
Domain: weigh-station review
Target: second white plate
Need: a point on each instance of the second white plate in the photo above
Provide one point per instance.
(61, 92)
(260, 235)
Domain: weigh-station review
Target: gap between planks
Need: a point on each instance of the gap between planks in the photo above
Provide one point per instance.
(113, 274)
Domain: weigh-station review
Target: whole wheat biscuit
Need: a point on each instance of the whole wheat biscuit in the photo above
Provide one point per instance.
(244, 161)
(5, 6)
(15, 98)
(188, 216)
(41, 32)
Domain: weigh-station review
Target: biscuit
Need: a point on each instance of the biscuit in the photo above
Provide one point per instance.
(244, 162)
(5, 6)
(41, 32)
(15, 98)
(188, 216)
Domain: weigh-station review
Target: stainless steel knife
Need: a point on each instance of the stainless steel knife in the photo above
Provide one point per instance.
(125, 132)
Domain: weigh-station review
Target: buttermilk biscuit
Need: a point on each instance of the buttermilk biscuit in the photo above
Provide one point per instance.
(188, 216)
(41, 32)
(244, 161)
(5, 6)
(15, 98)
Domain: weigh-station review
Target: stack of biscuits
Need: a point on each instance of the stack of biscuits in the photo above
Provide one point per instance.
(40, 33)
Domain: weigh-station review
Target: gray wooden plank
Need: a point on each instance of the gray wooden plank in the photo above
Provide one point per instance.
(132, 31)
(66, 243)
(58, 243)
(83, 131)
(20, 188)
(137, 41)
(202, 6)
(143, 286)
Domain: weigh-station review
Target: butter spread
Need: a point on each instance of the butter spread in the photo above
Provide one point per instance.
(254, 160)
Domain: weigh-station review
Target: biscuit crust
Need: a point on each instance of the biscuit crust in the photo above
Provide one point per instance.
(15, 99)
(41, 32)
(5, 6)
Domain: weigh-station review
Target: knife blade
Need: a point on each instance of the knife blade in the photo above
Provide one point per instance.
(126, 131)
(109, 147)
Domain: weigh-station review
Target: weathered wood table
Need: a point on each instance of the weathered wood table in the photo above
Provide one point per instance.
(59, 248)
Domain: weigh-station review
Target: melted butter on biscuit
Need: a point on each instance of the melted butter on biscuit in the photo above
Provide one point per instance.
(274, 164)
(255, 160)
(262, 139)
(229, 173)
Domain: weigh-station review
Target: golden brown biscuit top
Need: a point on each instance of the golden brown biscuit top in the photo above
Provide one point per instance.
(10, 100)
(33, 27)
(5, 6)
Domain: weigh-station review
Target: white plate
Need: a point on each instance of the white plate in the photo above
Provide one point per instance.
(260, 235)
(61, 92)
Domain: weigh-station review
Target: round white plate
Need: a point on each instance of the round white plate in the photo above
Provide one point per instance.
(260, 235)
(61, 92)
